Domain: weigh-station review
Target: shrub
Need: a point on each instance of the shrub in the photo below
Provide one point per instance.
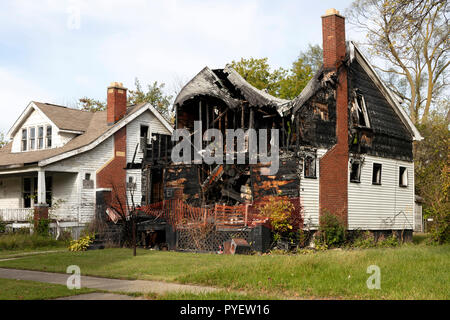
(42, 227)
(82, 244)
(332, 231)
(284, 220)
(2, 225)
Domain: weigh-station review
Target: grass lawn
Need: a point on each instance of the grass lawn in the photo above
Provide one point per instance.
(30, 290)
(407, 272)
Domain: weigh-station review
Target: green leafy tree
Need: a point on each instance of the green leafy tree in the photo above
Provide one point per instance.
(91, 105)
(432, 158)
(3, 140)
(258, 73)
(154, 95)
(282, 83)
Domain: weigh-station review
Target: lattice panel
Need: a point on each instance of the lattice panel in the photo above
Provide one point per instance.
(191, 240)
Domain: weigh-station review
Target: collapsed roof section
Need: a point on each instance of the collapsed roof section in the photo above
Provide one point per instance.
(230, 87)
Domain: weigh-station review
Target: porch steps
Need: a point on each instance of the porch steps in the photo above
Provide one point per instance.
(112, 234)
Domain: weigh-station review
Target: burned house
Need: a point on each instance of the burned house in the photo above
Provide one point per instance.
(344, 144)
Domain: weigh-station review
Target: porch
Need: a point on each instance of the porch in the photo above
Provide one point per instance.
(68, 197)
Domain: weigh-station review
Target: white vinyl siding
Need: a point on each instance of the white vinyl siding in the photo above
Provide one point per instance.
(309, 195)
(381, 207)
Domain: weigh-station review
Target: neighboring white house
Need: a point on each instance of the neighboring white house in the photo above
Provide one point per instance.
(58, 156)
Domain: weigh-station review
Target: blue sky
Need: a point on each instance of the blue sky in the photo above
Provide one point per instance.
(60, 50)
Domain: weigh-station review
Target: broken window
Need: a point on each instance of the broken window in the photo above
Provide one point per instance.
(355, 172)
(87, 182)
(24, 139)
(359, 112)
(403, 177)
(310, 167)
(376, 176)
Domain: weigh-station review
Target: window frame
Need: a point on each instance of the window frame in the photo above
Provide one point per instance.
(359, 163)
(314, 161)
(363, 109)
(24, 140)
(375, 173)
(40, 138)
(402, 176)
(47, 137)
(32, 138)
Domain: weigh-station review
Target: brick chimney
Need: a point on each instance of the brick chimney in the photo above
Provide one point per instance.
(116, 102)
(333, 189)
(333, 33)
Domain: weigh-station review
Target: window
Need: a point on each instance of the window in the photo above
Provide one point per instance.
(310, 167)
(376, 176)
(32, 138)
(40, 137)
(49, 136)
(355, 172)
(30, 186)
(48, 190)
(359, 112)
(87, 182)
(403, 177)
(130, 179)
(144, 131)
(24, 140)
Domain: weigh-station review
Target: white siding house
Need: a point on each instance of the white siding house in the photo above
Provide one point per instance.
(56, 153)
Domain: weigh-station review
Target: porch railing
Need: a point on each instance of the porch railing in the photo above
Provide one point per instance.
(16, 215)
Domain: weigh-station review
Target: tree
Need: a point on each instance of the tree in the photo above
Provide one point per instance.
(412, 39)
(154, 95)
(258, 73)
(282, 83)
(432, 158)
(3, 141)
(88, 104)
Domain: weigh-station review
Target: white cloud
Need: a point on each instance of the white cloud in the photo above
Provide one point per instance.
(15, 94)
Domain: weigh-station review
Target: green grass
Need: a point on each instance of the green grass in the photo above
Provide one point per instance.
(30, 290)
(20, 241)
(408, 272)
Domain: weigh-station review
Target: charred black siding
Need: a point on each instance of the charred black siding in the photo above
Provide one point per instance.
(391, 137)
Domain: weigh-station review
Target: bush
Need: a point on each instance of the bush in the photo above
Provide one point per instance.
(82, 244)
(332, 230)
(2, 226)
(42, 227)
(284, 220)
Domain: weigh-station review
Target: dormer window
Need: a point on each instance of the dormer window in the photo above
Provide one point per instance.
(49, 136)
(24, 140)
(41, 137)
(32, 138)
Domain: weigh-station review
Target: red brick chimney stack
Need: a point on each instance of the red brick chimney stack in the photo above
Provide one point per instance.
(333, 181)
(333, 33)
(116, 102)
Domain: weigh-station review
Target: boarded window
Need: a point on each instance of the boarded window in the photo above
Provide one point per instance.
(40, 137)
(355, 172)
(49, 136)
(310, 167)
(376, 176)
(403, 177)
(24, 139)
(32, 138)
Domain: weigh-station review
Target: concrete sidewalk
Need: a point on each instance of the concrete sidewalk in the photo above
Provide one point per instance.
(116, 285)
